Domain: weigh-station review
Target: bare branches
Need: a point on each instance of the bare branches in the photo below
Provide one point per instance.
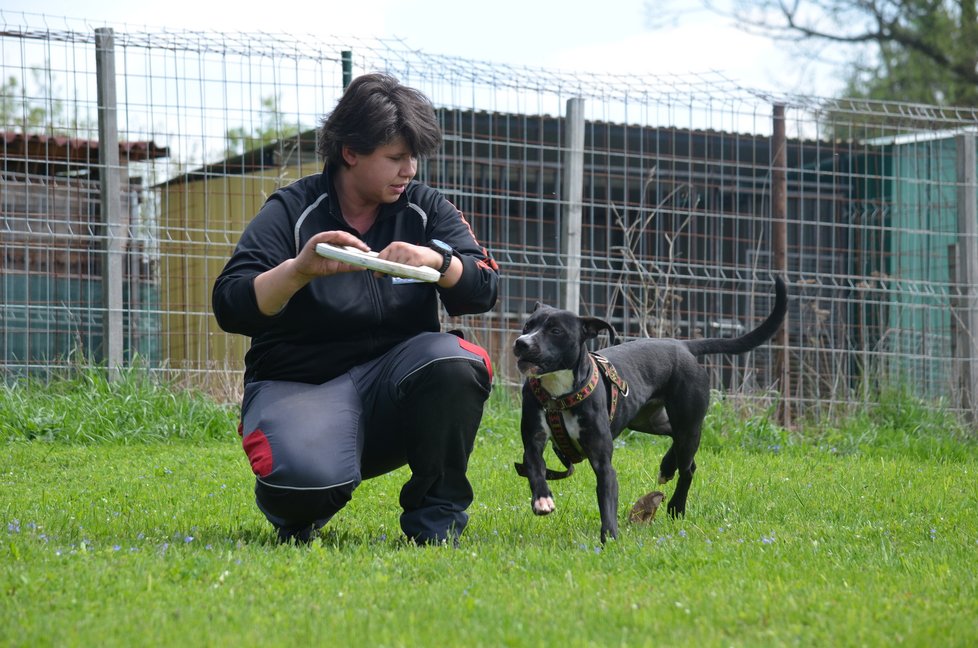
(938, 36)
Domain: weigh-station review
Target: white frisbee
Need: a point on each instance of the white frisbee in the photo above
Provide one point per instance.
(369, 260)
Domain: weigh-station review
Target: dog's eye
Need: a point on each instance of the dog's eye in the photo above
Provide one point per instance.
(556, 330)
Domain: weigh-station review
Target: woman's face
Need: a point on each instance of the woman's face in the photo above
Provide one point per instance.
(382, 176)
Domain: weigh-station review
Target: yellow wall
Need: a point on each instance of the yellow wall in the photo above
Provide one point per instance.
(200, 224)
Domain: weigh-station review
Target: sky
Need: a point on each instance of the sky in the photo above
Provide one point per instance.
(603, 36)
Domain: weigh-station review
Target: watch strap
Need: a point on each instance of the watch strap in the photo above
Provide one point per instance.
(447, 254)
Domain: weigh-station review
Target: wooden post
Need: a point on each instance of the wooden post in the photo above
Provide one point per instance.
(573, 201)
(779, 243)
(110, 203)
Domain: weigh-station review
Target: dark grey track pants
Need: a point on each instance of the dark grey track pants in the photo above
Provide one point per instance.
(419, 404)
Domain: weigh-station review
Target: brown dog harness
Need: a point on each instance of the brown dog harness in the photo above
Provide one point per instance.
(566, 449)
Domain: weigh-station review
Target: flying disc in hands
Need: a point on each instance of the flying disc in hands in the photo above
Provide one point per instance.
(370, 261)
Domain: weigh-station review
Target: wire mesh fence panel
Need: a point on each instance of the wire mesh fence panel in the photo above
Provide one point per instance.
(678, 217)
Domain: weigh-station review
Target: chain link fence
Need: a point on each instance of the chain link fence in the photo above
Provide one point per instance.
(691, 192)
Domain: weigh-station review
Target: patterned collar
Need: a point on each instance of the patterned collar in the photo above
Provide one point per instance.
(567, 449)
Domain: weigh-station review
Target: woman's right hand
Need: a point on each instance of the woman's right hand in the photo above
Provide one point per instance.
(310, 265)
(274, 288)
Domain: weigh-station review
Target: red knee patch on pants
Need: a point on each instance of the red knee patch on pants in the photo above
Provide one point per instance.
(479, 351)
(259, 452)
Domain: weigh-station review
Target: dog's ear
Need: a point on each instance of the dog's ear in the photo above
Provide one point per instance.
(593, 326)
(538, 306)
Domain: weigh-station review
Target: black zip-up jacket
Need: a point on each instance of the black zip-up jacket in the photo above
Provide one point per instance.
(337, 322)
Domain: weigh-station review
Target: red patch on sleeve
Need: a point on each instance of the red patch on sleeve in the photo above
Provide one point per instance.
(479, 351)
(259, 452)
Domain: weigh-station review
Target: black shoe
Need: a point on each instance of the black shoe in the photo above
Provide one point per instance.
(441, 540)
(300, 535)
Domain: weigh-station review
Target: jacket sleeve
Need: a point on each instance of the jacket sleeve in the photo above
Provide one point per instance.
(265, 243)
(478, 288)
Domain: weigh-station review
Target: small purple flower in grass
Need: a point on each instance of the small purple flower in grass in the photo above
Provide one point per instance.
(13, 527)
(768, 539)
(188, 539)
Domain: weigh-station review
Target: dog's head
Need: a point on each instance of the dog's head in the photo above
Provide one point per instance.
(554, 339)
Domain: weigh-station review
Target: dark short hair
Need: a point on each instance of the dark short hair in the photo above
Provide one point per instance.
(374, 110)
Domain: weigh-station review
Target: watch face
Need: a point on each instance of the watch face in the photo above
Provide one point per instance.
(441, 246)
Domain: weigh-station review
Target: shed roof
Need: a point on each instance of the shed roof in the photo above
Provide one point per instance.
(61, 148)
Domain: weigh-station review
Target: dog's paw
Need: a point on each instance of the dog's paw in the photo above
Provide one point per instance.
(543, 506)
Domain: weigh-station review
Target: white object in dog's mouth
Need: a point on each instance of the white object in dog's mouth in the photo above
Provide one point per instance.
(528, 368)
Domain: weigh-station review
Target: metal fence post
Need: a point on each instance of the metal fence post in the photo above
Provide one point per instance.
(347, 58)
(111, 207)
(573, 200)
(967, 273)
(779, 244)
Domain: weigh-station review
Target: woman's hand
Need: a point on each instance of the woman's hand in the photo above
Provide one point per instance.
(309, 265)
(412, 255)
(274, 288)
(422, 255)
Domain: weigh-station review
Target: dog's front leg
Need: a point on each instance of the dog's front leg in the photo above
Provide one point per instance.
(599, 448)
(534, 443)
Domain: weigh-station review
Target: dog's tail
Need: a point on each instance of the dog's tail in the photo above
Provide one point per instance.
(750, 340)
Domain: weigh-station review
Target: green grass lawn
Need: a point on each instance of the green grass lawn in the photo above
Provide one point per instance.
(852, 540)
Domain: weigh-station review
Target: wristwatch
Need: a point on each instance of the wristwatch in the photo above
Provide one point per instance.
(445, 250)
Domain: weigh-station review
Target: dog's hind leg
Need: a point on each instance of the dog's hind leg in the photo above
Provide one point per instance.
(677, 503)
(652, 419)
(682, 454)
(687, 423)
(667, 467)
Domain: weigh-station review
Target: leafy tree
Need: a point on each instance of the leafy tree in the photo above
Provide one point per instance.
(920, 50)
(272, 126)
(36, 108)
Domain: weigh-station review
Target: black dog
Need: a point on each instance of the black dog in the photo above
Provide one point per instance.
(582, 401)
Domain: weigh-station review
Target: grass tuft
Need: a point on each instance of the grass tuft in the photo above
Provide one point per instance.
(85, 407)
(897, 423)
